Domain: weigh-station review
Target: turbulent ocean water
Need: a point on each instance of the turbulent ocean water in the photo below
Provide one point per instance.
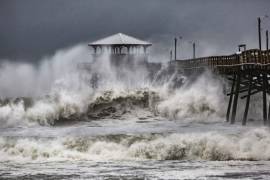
(128, 126)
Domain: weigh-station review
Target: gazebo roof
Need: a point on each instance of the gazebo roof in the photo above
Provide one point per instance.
(119, 39)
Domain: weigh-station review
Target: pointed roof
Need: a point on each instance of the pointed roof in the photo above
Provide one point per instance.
(119, 39)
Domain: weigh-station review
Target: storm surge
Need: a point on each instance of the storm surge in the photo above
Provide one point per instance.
(126, 115)
(212, 146)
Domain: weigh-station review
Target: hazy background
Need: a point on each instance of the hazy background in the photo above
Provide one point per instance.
(32, 29)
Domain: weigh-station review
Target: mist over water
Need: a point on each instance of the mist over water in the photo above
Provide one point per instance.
(52, 112)
(18, 79)
(58, 89)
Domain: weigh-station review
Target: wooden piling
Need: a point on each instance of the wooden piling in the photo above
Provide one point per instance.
(248, 100)
(264, 98)
(269, 114)
(235, 99)
(268, 87)
(230, 100)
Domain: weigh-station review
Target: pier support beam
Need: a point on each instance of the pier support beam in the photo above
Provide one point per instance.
(269, 114)
(235, 99)
(248, 100)
(230, 100)
(264, 98)
(268, 88)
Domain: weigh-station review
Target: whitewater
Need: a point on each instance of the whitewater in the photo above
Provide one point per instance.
(55, 125)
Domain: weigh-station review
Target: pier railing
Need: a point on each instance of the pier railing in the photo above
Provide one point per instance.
(252, 58)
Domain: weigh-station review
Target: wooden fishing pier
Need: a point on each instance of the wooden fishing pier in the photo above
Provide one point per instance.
(248, 71)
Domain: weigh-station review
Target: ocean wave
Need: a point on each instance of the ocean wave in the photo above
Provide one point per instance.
(203, 100)
(253, 145)
(69, 106)
(113, 105)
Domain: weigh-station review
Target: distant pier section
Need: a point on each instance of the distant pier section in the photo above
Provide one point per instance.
(248, 71)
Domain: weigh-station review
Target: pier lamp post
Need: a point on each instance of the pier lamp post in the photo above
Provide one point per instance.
(180, 38)
(259, 33)
(267, 40)
(171, 55)
(175, 47)
(264, 76)
(193, 48)
(260, 19)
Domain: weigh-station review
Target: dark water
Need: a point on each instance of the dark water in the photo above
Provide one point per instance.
(109, 149)
(136, 170)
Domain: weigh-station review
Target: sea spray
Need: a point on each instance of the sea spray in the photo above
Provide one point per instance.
(199, 100)
(176, 104)
(69, 97)
(20, 79)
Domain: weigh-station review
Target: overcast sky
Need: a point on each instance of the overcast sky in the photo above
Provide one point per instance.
(31, 29)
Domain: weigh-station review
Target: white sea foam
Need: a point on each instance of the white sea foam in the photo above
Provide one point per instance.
(200, 100)
(195, 103)
(253, 145)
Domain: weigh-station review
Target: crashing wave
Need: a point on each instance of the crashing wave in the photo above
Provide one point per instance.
(114, 105)
(253, 145)
(202, 100)
(67, 106)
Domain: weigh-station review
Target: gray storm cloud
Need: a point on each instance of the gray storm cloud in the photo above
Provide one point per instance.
(31, 29)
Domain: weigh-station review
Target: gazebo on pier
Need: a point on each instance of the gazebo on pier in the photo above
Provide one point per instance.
(120, 44)
(121, 52)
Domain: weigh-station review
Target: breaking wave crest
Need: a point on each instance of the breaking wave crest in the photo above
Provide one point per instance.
(185, 105)
(253, 145)
(198, 102)
(202, 100)
(66, 106)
